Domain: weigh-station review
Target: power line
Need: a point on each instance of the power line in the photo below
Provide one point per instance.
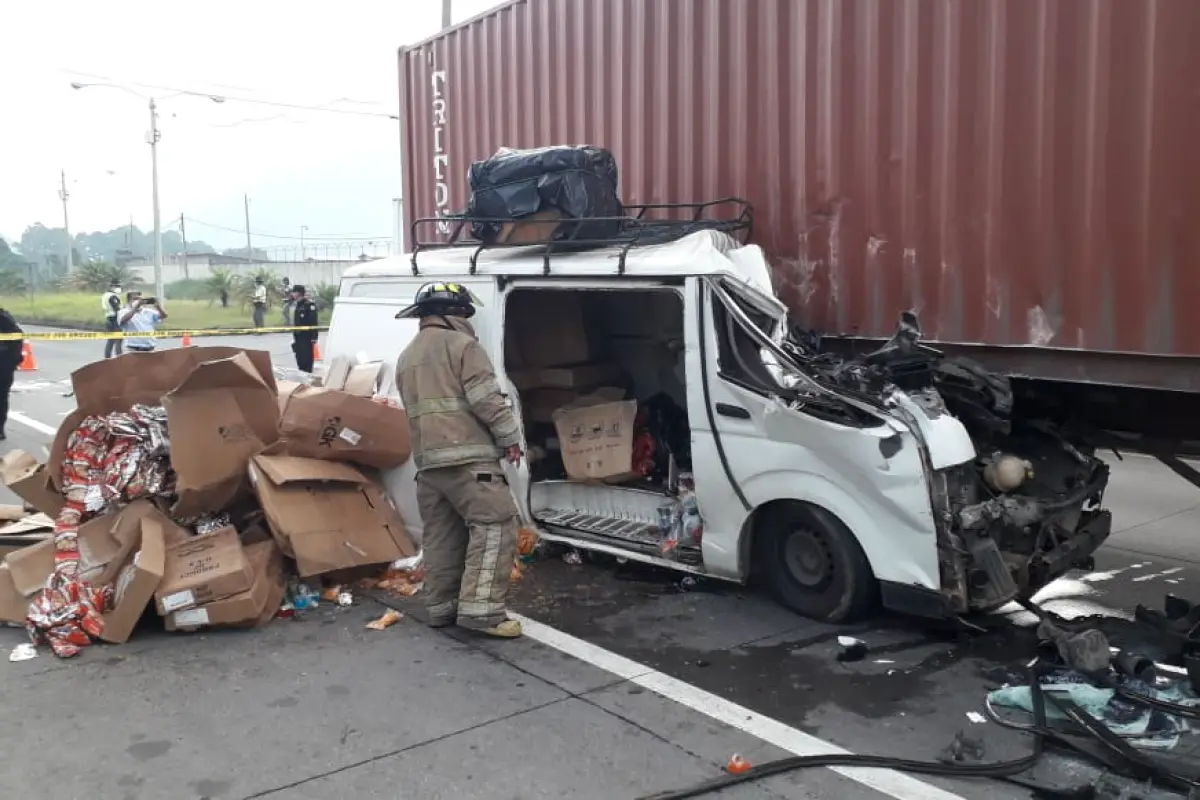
(254, 101)
(316, 237)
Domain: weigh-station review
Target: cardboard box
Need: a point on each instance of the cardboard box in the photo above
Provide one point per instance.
(246, 607)
(577, 378)
(334, 426)
(12, 542)
(14, 606)
(326, 515)
(546, 329)
(540, 404)
(597, 440)
(363, 379)
(537, 228)
(136, 581)
(220, 415)
(203, 569)
(30, 481)
(106, 542)
(116, 384)
(31, 567)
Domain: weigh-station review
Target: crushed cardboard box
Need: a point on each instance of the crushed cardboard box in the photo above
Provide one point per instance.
(203, 569)
(331, 425)
(117, 384)
(30, 481)
(327, 515)
(221, 414)
(597, 439)
(137, 580)
(247, 607)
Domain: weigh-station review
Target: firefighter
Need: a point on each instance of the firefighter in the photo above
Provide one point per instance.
(305, 316)
(461, 427)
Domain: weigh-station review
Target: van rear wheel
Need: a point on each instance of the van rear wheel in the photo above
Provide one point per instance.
(814, 565)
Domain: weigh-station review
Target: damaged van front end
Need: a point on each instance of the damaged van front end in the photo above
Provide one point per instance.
(1023, 511)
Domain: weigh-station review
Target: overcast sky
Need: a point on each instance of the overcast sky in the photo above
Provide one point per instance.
(335, 173)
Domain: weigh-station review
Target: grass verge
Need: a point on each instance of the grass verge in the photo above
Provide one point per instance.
(82, 311)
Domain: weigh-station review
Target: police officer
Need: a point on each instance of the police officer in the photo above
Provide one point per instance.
(10, 359)
(461, 426)
(304, 316)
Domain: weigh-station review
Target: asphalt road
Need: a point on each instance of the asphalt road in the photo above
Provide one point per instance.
(628, 685)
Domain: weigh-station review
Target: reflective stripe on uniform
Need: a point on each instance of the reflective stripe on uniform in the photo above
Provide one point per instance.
(453, 456)
(482, 391)
(480, 609)
(492, 534)
(437, 405)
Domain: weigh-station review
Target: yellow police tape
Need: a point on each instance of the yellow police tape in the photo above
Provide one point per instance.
(97, 335)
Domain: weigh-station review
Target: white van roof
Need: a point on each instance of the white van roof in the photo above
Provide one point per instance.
(700, 253)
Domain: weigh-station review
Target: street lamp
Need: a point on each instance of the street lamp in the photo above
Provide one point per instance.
(152, 139)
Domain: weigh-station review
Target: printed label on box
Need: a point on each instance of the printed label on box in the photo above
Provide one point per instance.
(178, 600)
(191, 618)
(350, 437)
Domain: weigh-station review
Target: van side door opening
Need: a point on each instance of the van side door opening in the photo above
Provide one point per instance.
(568, 350)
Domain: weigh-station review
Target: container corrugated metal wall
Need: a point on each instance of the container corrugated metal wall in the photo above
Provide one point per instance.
(1018, 171)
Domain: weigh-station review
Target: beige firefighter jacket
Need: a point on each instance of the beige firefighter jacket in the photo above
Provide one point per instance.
(449, 390)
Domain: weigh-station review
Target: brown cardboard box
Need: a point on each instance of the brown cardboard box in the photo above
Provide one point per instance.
(28, 524)
(116, 384)
(31, 566)
(578, 377)
(203, 569)
(546, 329)
(328, 516)
(105, 542)
(540, 404)
(14, 606)
(597, 440)
(137, 580)
(30, 481)
(11, 543)
(244, 607)
(334, 426)
(220, 415)
(537, 228)
(101, 555)
(363, 379)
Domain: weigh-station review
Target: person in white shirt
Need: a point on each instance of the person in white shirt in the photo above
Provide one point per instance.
(110, 304)
(141, 315)
(260, 302)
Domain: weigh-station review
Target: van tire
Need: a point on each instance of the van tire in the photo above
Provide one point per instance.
(814, 565)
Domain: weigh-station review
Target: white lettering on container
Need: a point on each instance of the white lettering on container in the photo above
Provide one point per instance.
(441, 157)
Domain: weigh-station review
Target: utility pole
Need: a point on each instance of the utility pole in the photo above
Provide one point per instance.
(303, 228)
(446, 14)
(183, 235)
(154, 137)
(249, 251)
(64, 195)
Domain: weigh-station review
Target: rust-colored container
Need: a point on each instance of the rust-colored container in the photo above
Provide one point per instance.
(1021, 172)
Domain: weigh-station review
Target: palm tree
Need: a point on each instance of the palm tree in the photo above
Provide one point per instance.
(219, 285)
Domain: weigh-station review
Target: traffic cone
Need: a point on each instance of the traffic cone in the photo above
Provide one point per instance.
(187, 340)
(28, 364)
(316, 351)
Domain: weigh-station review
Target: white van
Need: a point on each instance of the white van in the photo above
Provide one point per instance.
(821, 476)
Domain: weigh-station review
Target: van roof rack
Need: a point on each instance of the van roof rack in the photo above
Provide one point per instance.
(655, 223)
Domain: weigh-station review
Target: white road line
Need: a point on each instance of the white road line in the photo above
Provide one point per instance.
(17, 416)
(785, 737)
(888, 782)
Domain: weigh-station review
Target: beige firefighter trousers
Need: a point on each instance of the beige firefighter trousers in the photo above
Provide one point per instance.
(470, 543)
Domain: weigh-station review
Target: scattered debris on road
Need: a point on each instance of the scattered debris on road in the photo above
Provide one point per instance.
(389, 618)
(192, 481)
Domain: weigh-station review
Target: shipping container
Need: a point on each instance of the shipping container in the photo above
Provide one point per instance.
(1023, 174)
